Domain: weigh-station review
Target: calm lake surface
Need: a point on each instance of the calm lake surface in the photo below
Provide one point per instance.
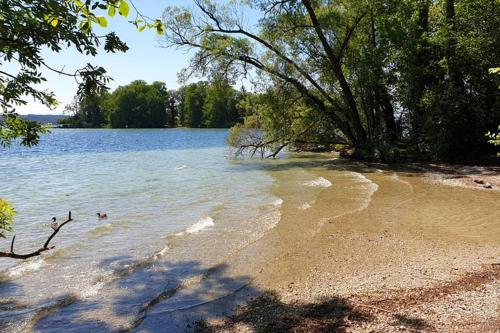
(151, 183)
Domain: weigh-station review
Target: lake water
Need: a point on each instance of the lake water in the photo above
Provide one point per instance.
(171, 196)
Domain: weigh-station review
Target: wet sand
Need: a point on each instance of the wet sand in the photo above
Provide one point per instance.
(420, 253)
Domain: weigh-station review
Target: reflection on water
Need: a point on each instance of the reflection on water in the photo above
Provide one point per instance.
(189, 229)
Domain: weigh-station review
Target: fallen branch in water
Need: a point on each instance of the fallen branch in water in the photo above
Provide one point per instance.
(46, 246)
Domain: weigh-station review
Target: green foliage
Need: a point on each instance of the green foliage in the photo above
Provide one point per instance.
(494, 138)
(137, 105)
(194, 100)
(6, 217)
(280, 117)
(12, 127)
(85, 112)
(381, 76)
(140, 105)
(220, 106)
(211, 105)
(26, 27)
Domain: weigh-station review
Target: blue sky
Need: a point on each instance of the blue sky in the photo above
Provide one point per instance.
(145, 60)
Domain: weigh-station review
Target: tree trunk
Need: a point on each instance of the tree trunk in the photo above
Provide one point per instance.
(382, 96)
(421, 76)
(389, 119)
(352, 112)
(451, 44)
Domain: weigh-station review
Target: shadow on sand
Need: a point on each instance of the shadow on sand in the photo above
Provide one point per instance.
(184, 297)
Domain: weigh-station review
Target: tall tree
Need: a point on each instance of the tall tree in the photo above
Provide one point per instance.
(219, 109)
(301, 43)
(137, 105)
(387, 75)
(194, 100)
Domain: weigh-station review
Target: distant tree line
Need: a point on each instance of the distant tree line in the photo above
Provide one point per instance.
(142, 105)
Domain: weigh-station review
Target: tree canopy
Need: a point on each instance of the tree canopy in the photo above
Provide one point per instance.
(27, 26)
(142, 105)
(385, 77)
(137, 105)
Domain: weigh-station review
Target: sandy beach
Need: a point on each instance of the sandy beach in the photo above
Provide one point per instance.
(421, 253)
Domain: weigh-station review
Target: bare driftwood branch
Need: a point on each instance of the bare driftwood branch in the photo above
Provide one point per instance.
(46, 246)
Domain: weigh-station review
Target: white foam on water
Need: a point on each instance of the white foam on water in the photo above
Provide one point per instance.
(25, 267)
(368, 184)
(278, 202)
(270, 221)
(319, 182)
(370, 188)
(305, 206)
(161, 253)
(200, 225)
(182, 167)
(92, 290)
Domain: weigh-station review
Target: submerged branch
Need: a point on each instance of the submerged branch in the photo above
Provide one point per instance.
(46, 246)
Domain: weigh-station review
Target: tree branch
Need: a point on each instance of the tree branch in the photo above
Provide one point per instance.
(348, 35)
(339, 74)
(46, 246)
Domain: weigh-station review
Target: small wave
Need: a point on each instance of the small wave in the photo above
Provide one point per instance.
(396, 177)
(161, 253)
(102, 230)
(369, 185)
(278, 202)
(218, 208)
(305, 206)
(25, 267)
(320, 182)
(60, 253)
(182, 167)
(200, 225)
(269, 221)
(370, 188)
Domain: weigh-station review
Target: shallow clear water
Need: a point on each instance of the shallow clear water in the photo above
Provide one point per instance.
(156, 186)
(151, 183)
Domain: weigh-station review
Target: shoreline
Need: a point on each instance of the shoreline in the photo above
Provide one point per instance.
(350, 247)
(378, 269)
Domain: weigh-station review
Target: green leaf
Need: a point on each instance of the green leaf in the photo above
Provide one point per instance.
(124, 8)
(141, 29)
(160, 29)
(54, 22)
(495, 70)
(6, 217)
(78, 3)
(101, 20)
(111, 11)
(86, 25)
